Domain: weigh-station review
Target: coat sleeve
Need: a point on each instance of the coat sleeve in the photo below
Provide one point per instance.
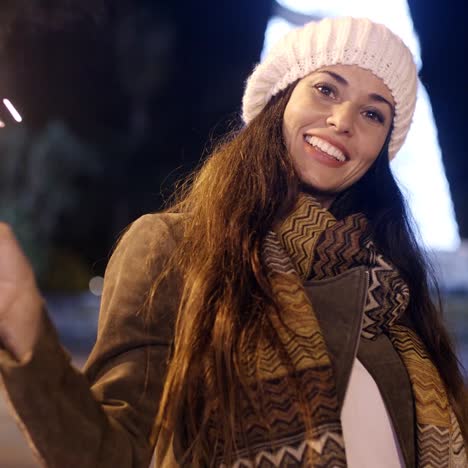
(102, 416)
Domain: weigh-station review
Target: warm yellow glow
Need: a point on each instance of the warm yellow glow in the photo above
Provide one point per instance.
(12, 110)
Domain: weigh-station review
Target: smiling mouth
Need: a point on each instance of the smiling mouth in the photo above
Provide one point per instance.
(325, 147)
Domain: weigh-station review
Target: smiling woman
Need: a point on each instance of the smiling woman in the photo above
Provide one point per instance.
(278, 312)
(335, 125)
(428, 193)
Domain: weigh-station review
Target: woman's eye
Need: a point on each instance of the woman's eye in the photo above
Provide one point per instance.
(325, 90)
(374, 115)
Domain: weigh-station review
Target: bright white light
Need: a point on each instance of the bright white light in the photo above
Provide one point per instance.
(12, 110)
(96, 284)
(277, 27)
(2, 124)
(418, 165)
(420, 172)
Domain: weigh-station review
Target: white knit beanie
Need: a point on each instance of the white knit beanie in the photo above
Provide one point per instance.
(347, 41)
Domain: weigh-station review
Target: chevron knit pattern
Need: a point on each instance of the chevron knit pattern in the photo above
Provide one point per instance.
(289, 406)
(439, 438)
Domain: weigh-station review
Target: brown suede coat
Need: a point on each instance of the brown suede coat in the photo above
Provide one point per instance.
(102, 417)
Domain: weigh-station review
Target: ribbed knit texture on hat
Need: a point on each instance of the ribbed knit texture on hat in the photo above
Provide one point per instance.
(343, 40)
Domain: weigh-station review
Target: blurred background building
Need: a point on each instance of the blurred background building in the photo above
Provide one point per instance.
(104, 105)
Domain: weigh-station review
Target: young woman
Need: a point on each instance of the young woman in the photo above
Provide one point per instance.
(278, 313)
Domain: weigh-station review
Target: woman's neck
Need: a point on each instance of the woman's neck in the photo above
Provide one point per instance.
(325, 199)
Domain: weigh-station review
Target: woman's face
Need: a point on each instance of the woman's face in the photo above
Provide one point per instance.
(335, 125)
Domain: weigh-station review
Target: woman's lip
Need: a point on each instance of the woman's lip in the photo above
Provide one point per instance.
(332, 142)
(322, 157)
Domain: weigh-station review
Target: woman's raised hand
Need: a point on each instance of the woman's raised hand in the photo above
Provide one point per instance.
(20, 299)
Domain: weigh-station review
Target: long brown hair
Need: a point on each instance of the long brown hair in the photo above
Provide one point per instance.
(230, 202)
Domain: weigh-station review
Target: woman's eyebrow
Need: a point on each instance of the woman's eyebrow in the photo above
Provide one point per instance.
(337, 77)
(379, 98)
(372, 96)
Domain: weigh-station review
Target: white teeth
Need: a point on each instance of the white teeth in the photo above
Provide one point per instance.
(326, 147)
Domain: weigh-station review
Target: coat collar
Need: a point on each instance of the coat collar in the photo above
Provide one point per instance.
(339, 303)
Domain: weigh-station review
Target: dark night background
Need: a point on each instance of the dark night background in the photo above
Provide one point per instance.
(121, 99)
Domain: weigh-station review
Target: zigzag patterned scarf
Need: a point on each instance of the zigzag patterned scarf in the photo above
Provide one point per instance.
(311, 243)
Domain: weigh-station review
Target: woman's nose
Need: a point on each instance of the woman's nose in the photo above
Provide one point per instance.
(341, 118)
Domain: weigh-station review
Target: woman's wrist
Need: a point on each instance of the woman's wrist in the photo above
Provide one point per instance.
(22, 324)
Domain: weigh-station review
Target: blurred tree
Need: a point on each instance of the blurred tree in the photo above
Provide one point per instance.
(55, 14)
(144, 49)
(142, 81)
(40, 178)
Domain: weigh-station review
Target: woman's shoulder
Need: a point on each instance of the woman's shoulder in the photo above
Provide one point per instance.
(164, 225)
(158, 233)
(143, 247)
